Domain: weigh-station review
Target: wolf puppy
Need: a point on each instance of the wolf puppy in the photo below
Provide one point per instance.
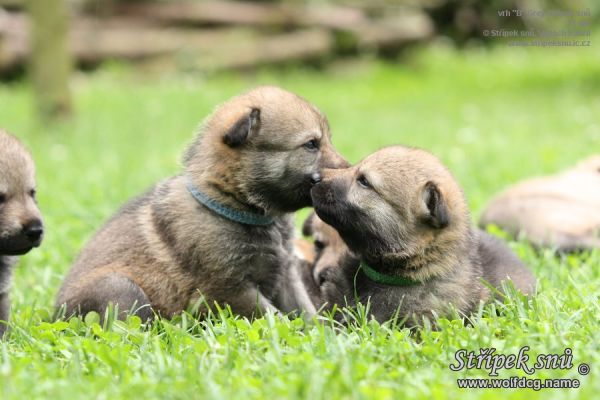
(329, 253)
(222, 230)
(406, 219)
(319, 259)
(20, 219)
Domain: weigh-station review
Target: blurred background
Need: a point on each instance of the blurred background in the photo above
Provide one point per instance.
(167, 36)
(107, 93)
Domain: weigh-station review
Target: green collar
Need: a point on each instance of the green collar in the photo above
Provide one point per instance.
(391, 280)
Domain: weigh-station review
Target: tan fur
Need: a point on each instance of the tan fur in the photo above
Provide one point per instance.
(399, 175)
(329, 252)
(166, 250)
(401, 212)
(561, 211)
(17, 177)
(304, 250)
(20, 219)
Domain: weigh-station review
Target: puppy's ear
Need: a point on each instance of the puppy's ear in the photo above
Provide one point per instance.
(243, 129)
(436, 214)
(307, 227)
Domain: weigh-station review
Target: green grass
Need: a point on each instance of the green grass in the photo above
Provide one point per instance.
(494, 116)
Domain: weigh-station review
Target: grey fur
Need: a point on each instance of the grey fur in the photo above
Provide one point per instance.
(172, 253)
(21, 226)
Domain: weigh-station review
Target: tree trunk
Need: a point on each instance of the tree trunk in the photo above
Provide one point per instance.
(50, 62)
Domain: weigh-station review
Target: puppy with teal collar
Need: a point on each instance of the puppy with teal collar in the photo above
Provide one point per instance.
(221, 232)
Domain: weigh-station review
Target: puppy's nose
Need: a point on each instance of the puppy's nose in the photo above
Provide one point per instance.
(34, 231)
(324, 275)
(315, 178)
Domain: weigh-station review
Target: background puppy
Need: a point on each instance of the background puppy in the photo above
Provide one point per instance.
(20, 219)
(561, 211)
(221, 231)
(401, 211)
(330, 254)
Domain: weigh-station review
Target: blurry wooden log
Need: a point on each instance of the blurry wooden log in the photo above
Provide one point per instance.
(13, 4)
(93, 41)
(14, 45)
(128, 37)
(246, 13)
(207, 49)
(265, 49)
(331, 17)
(209, 12)
(393, 32)
(385, 33)
(391, 4)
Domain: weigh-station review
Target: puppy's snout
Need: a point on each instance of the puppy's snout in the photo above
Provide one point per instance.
(34, 231)
(321, 192)
(332, 160)
(315, 178)
(342, 163)
(323, 275)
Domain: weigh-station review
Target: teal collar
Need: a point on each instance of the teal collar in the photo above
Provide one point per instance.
(391, 280)
(242, 217)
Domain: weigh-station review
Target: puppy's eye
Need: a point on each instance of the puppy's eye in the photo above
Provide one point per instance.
(32, 193)
(319, 245)
(2, 198)
(312, 144)
(362, 181)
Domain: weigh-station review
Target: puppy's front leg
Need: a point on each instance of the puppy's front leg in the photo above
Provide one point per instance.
(252, 303)
(265, 305)
(6, 266)
(4, 312)
(299, 292)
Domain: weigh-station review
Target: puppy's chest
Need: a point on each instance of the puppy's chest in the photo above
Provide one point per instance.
(262, 253)
(439, 296)
(271, 255)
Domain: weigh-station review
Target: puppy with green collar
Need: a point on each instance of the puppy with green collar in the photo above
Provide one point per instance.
(221, 232)
(405, 218)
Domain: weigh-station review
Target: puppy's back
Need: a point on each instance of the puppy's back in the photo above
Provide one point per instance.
(499, 263)
(118, 237)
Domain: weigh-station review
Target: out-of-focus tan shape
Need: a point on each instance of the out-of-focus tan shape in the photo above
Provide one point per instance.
(561, 211)
(304, 250)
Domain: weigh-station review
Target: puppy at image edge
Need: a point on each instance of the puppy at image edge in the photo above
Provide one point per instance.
(21, 227)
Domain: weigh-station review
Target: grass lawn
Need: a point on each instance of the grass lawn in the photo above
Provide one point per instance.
(494, 116)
